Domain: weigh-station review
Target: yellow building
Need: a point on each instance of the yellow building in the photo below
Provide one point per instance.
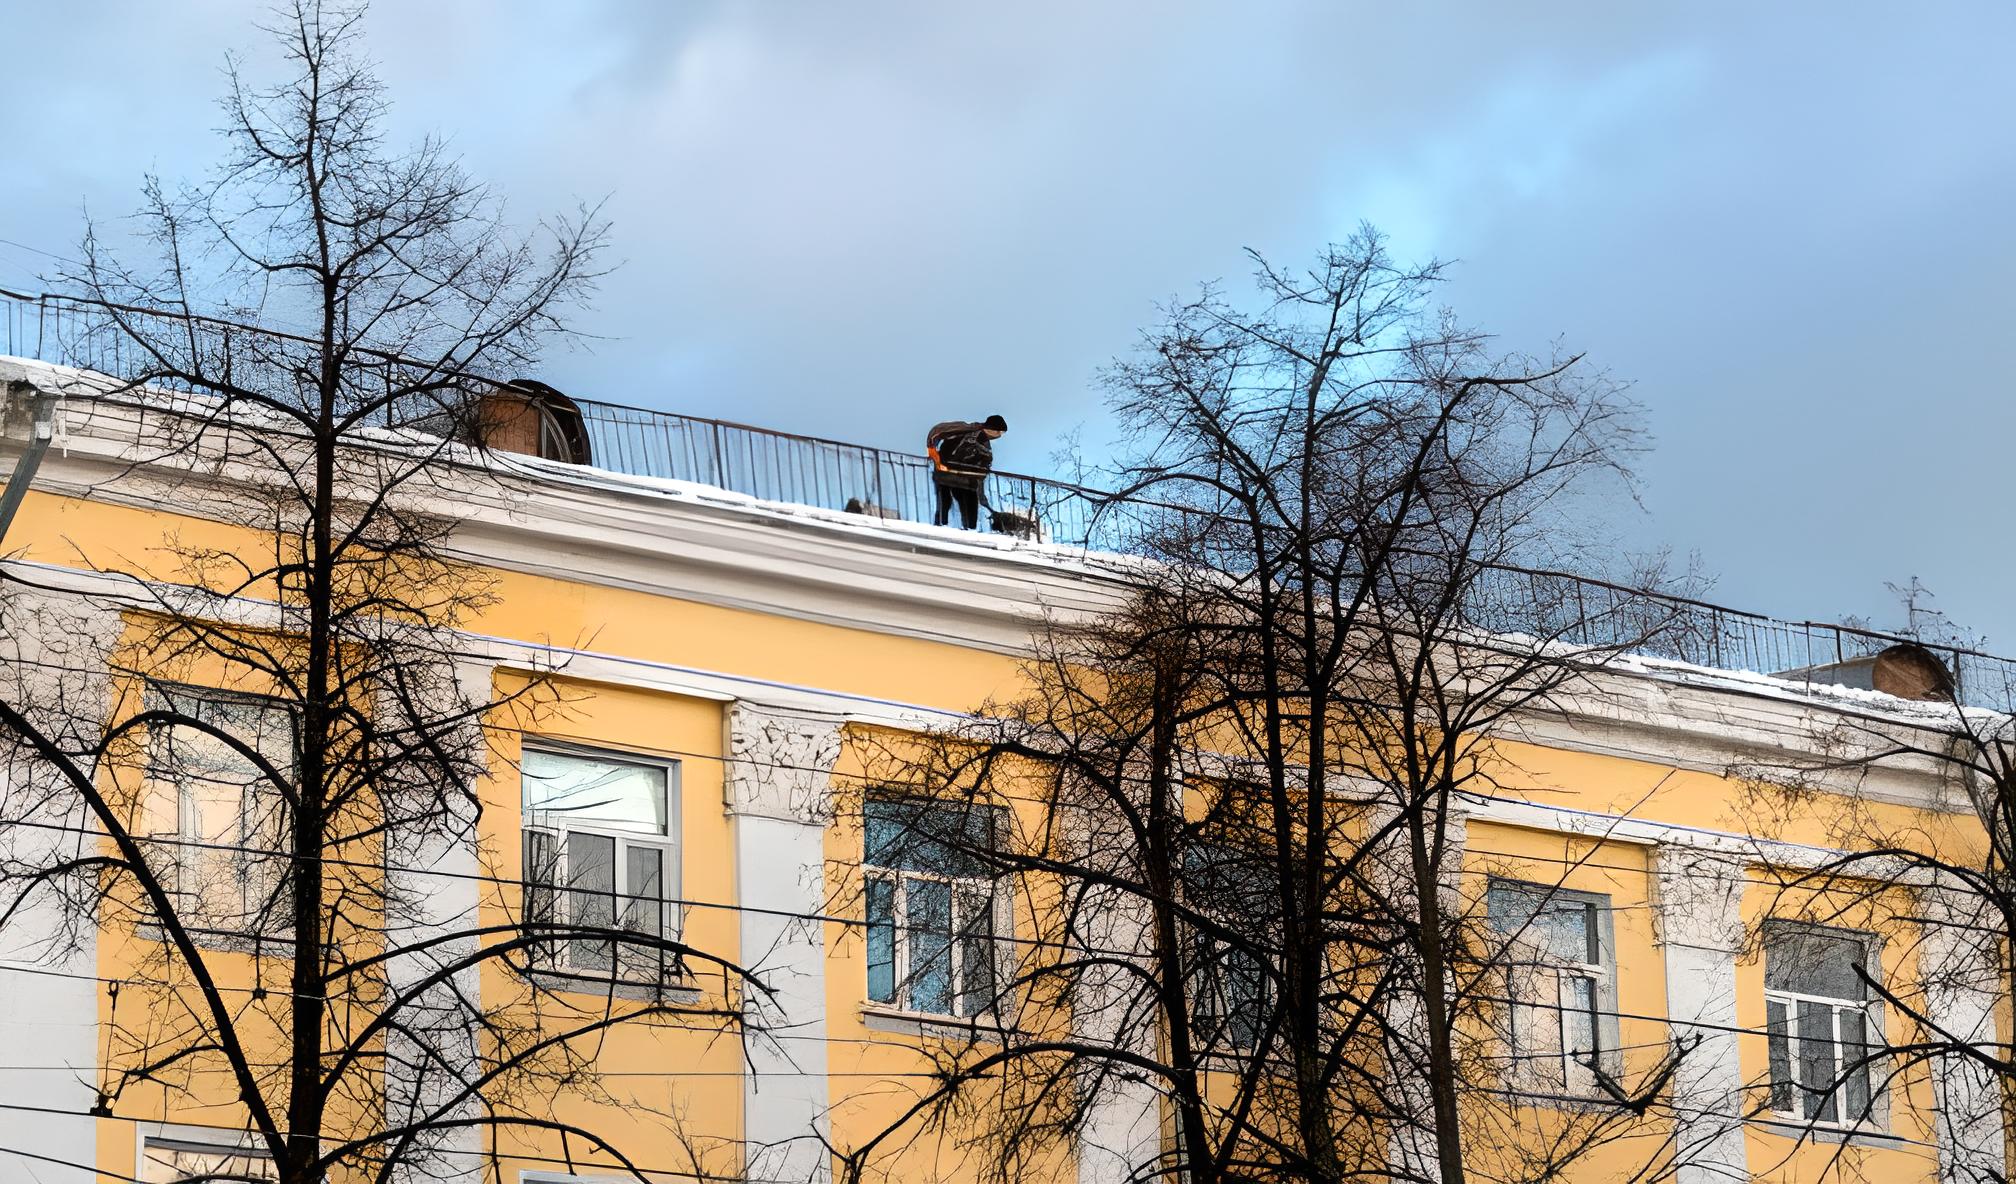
(712, 644)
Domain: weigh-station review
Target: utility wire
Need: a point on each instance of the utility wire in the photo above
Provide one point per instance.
(39, 251)
(693, 903)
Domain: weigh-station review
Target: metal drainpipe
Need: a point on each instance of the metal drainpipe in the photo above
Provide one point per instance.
(42, 430)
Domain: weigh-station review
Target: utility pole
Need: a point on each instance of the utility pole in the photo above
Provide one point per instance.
(42, 428)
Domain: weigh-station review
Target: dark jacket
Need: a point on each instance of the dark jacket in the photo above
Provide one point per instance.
(965, 453)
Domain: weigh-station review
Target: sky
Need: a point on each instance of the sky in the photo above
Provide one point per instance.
(1792, 227)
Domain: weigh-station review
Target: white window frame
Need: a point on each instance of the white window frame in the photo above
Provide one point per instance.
(191, 854)
(1871, 1010)
(1536, 1071)
(670, 869)
(963, 890)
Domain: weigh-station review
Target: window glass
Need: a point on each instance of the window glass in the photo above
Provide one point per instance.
(598, 856)
(591, 892)
(930, 925)
(1822, 1026)
(1578, 1016)
(1230, 882)
(1804, 961)
(1816, 1056)
(264, 725)
(943, 838)
(1230, 989)
(647, 886)
(1560, 976)
(225, 820)
(882, 941)
(1565, 926)
(1855, 1048)
(976, 949)
(570, 790)
(1778, 1026)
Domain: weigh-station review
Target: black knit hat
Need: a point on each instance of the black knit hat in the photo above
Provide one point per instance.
(995, 424)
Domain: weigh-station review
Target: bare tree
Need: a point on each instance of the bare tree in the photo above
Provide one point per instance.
(1234, 809)
(249, 760)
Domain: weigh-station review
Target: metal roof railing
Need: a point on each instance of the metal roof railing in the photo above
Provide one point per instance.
(786, 467)
(812, 470)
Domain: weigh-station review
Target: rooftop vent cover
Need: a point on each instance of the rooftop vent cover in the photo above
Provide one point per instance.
(1904, 670)
(528, 417)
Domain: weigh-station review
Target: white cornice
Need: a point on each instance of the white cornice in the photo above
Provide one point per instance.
(804, 565)
(715, 547)
(1728, 729)
(673, 539)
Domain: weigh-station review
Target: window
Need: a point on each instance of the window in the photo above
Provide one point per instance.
(599, 854)
(1823, 1027)
(1229, 987)
(223, 821)
(1561, 976)
(170, 1161)
(933, 910)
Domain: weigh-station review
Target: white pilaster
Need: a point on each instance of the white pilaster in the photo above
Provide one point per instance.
(1958, 966)
(778, 794)
(1411, 1146)
(53, 670)
(1122, 1133)
(1699, 898)
(432, 874)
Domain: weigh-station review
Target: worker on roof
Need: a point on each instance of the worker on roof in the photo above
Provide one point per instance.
(962, 454)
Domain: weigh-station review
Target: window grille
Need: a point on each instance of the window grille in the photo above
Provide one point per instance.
(935, 914)
(1824, 1030)
(600, 855)
(1561, 980)
(221, 825)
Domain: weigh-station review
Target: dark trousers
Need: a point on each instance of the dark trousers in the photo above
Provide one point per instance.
(969, 504)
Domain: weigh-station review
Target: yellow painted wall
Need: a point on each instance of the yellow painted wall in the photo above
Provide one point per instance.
(872, 1068)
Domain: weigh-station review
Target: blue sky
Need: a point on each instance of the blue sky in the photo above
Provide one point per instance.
(1789, 225)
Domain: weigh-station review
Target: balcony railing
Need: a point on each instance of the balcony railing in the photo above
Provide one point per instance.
(785, 467)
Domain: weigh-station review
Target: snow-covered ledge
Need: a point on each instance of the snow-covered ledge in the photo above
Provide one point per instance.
(778, 794)
(1700, 894)
(1958, 966)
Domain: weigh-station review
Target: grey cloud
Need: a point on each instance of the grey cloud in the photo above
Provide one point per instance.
(1787, 223)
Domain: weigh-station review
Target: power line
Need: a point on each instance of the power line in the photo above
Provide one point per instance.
(96, 1172)
(39, 251)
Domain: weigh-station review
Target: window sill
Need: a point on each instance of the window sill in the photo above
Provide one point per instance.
(1545, 1098)
(1815, 1132)
(1228, 1060)
(678, 992)
(881, 1017)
